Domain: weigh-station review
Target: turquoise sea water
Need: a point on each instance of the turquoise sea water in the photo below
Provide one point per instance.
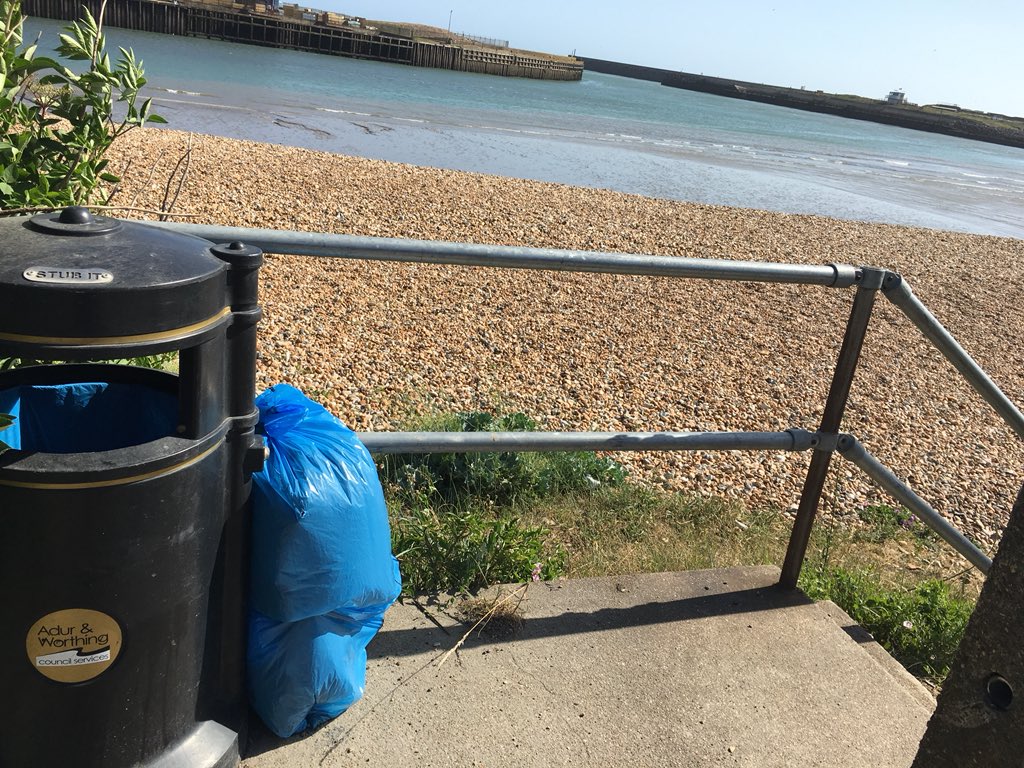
(604, 131)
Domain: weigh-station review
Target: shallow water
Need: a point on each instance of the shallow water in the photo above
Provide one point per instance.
(605, 131)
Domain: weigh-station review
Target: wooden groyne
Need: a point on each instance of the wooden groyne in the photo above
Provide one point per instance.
(218, 22)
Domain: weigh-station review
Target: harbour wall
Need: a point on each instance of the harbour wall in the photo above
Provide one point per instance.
(1011, 133)
(218, 22)
(853, 107)
(634, 71)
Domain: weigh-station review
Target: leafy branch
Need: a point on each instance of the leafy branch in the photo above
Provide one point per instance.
(57, 124)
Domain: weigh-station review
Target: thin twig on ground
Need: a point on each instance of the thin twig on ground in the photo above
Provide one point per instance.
(149, 178)
(518, 591)
(183, 162)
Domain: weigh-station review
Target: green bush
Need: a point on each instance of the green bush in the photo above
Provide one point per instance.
(454, 516)
(56, 124)
(464, 549)
(500, 478)
(567, 472)
(157, 362)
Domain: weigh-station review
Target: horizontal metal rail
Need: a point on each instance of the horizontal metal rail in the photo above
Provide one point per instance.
(900, 294)
(483, 442)
(511, 257)
(853, 450)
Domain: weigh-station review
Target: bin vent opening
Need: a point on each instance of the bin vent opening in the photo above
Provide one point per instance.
(86, 417)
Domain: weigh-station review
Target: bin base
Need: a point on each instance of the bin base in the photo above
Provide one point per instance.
(210, 745)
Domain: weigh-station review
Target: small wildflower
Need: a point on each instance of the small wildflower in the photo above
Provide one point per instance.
(535, 574)
(908, 624)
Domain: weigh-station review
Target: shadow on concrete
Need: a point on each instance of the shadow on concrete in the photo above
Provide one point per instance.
(857, 633)
(412, 641)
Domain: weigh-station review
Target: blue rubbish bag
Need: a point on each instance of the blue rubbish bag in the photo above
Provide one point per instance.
(322, 570)
(303, 673)
(321, 541)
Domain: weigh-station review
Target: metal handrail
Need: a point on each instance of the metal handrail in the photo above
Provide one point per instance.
(391, 443)
(897, 290)
(513, 257)
(483, 442)
(825, 441)
(852, 449)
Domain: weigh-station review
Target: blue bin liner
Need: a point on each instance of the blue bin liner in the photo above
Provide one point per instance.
(86, 417)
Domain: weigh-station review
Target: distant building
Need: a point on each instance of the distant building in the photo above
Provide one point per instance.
(896, 97)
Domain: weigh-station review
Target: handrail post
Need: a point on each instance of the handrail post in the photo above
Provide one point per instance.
(835, 406)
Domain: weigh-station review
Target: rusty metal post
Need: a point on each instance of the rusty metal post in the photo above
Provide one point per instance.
(835, 406)
(979, 718)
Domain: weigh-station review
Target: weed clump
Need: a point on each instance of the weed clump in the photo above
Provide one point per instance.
(456, 517)
(464, 548)
(883, 522)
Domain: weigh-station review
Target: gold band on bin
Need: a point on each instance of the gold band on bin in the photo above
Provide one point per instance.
(116, 480)
(103, 341)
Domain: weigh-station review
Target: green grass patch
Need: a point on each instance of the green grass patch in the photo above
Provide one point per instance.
(630, 529)
(919, 624)
(884, 522)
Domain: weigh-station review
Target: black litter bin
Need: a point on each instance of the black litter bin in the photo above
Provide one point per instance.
(124, 500)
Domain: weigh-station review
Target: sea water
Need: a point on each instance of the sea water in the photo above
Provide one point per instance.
(604, 131)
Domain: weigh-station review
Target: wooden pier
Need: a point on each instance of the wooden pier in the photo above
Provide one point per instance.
(221, 23)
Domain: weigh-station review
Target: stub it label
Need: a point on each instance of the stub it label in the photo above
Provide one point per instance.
(68, 276)
(73, 645)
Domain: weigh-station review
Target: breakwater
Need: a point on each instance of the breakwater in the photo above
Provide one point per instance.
(966, 124)
(224, 23)
(632, 71)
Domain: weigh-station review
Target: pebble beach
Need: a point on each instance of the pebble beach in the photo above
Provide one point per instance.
(381, 343)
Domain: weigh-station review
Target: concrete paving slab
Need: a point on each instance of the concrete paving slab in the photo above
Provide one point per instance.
(703, 668)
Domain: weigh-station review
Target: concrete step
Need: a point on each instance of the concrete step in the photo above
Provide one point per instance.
(703, 668)
(897, 671)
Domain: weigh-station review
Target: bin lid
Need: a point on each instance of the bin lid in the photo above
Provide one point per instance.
(72, 278)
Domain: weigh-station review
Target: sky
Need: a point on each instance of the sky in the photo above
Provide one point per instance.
(969, 53)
